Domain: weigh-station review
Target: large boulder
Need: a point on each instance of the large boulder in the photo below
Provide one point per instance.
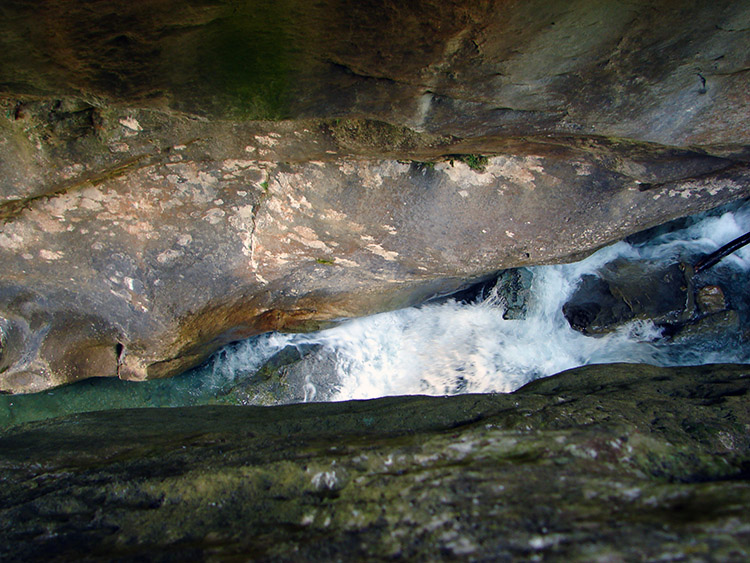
(613, 463)
(666, 72)
(626, 290)
(149, 217)
(143, 270)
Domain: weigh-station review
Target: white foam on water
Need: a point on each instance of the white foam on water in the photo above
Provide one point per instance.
(455, 348)
(704, 236)
(451, 348)
(244, 358)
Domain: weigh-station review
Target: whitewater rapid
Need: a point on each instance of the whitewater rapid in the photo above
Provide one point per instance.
(454, 347)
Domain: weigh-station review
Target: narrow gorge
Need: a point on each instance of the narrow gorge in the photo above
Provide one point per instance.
(244, 204)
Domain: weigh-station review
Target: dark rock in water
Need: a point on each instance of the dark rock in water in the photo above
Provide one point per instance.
(652, 291)
(614, 463)
(625, 291)
(710, 299)
(295, 374)
(514, 289)
(708, 328)
(593, 307)
(283, 358)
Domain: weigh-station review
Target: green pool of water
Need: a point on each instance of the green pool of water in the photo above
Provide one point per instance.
(189, 389)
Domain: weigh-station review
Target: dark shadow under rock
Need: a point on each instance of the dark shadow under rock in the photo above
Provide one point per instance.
(512, 287)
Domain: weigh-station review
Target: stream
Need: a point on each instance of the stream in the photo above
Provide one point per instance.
(495, 339)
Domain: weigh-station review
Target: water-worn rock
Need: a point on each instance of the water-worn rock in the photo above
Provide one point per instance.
(296, 374)
(616, 462)
(514, 289)
(623, 291)
(709, 327)
(710, 299)
(148, 217)
(145, 270)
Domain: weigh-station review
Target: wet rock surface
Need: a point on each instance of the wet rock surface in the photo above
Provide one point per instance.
(709, 327)
(515, 288)
(624, 291)
(710, 299)
(296, 374)
(602, 462)
(683, 306)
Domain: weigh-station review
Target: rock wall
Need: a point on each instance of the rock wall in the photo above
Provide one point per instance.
(665, 71)
(616, 462)
(177, 176)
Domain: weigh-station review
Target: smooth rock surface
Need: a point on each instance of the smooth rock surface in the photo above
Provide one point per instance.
(143, 270)
(616, 462)
(666, 72)
(623, 291)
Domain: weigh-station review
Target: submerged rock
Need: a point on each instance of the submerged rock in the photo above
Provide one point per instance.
(689, 320)
(710, 299)
(708, 328)
(296, 374)
(616, 462)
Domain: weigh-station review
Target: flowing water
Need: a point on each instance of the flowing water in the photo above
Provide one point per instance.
(450, 347)
(456, 347)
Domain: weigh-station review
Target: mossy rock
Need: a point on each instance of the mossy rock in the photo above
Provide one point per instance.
(619, 462)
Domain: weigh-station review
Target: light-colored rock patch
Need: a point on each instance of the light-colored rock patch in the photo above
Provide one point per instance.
(459, 173)
(344, 262)
(233, 164)
(383, 253)
(214, 216)
(169, 256)
(45, 254)
(131, 123)
(266, 140)
(518, 170)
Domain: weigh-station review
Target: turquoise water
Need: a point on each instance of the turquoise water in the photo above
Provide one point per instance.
(109, 393)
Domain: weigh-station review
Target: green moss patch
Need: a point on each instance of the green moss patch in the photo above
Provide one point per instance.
(246, 60)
